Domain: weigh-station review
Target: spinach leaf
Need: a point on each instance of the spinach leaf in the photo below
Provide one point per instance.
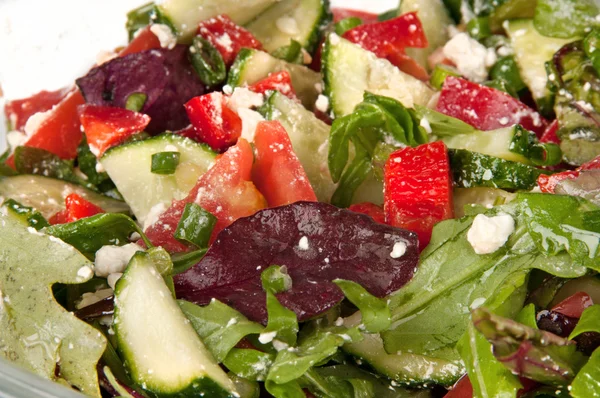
(587, 382)
(565, 18)
(589, 322)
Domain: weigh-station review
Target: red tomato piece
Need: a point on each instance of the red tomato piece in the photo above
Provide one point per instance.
(227, 37)
(370, 209)
(486, 108)
(418, 189)
(343, 13)
(573, 306)
(277, 172)
(461, 389)
(550, 133)
(107, 126)
(547, 183)
(389, 37)
(143, 40)
(76, 209)
(226, 191)
(18, 111)
(278, 81)
(215, 123)
(408, 65)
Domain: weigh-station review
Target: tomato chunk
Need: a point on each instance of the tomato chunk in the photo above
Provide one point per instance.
(370, 209)
(461, 389)
(226, 191)
(575, 305)
(214, 123)
(18, 111)
(143, 40)
(107, 126)
(418, 189)
(76, 209)
(548, 183)
(227, 37)
(279, 81)
(277, 172)
(486, 108)
(550, 133)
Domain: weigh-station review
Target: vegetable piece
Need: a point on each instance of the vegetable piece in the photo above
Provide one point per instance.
(30, 307)
(346, 24)
(342, 13)
(227, 37)
(106, 127)
(305, 243)
(166, 77)
(28, 215)
(215, 123)
(277, 172)
(139, 18)
(486, 108)
(549, 183)
(506, 70)
(370, 209)
(574, 305)
(586, 383)
(462, 389)
(418, 189)
(195, 226)
(144, 40)
(165, 163)
(207, 62)
(440, 73)
(135, 102)
(162, 351)
(291, 53)
(18, 111)
(565, 18)
(588, 322)
(76, 209)
(375, 314)
(225, 190)
(277, 81)
(550, 133)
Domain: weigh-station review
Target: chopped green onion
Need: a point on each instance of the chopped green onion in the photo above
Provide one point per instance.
(440, 73)
(207, 62)
(507, 70)
(195, 226)
(346, 24)
(291, 53)
(139, 18)
(135, 102)
(479, 28)
(165, 162)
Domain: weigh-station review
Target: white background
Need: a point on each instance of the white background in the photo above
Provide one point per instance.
(46, 44)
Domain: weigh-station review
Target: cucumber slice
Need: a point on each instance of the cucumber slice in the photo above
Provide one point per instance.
(435, 20)
(350, 70)
(184, 15)
(472, 169)
(486, 197)
(160, 348)
(129, 166)
(251, 66)
(532, 50)
(47, 195)
(300, 20)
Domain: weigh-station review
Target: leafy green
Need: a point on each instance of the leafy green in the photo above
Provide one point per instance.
(282, 322)
(291, 53)
(207, 61)
(348, 23)
(139, 18)
(587, 382)
(276, 279)
(591, 46)
(507, 70)
(219, 326)
(249, 363)
(527, 316)
(589, 322)
(374, 311)
(443, 125)
(28, 215)
(184, 261)
(565, 18)
(87, 162)
(37, 333)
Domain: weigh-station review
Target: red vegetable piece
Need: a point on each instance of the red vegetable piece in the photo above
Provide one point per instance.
(486, 108)
(214, 123)
(278, 81)
(61, 217)
(343, 13)
(18, 111)
(548, 183)
(277, 172)
(461, 389)
(227, 37)
(408, 65)
(550, 133)
(573, 306)
(76, 209)
(370, 209)
(143, 40)
(225, 190)
(107, 126)
(389, 37)
(317, 242)
(418, 189)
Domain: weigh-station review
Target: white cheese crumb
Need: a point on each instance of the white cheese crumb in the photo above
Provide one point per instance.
(244, 98)
(267, 337)
(85, 272)
(425, 124)
(231, 322)
(334, 39)
(113, 259)
(165, 35)
(303, 243)
(398, 250)
(322, 103)
(227, 89)
(113, 278)
(153, 215)
(279, 345)
(339, 321)
(99, 168)
(250, 120)
(287, 25)
(488, 234)
(471, 58)
(15, 139)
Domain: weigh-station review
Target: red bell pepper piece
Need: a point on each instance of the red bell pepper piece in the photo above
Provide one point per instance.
(550, 133)
(76, 209)
(486, 108)
(408, 65)
(547, 183)
(277, 172)
(370, 209)
(107, 126)
(225, 190)
(18, 111)
(215, 123)
(227, 37)
(278, 81)
(575, 305)
(418, 189)
(343, 13)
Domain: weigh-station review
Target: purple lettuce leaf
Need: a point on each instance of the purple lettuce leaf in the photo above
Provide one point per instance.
(317, 242)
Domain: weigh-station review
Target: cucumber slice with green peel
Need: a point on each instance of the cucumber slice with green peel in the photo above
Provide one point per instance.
(287, 20)
(250, 66)
(47, 195)
(349, 71)
(159, 346)
(435, 20)
(184, 15)
(532, 50)
(472, 169)
(129, 166)
(479, 196)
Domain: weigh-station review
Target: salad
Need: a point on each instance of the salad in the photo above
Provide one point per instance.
(280, 198)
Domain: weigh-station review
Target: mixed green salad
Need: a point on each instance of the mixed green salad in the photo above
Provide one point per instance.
(278, 198)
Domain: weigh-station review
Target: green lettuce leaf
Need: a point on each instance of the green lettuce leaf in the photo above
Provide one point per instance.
(565, 18)
(37, 333)
(587, 382)
(589, 322)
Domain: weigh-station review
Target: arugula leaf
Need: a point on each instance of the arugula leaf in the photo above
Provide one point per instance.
(87, 162)
(442, 125)
(287, 390)
(587, 382)
(565, 18)
(374, 311)
(589, 322)
(219, 326)
(249, 363)
(282, 322)
(37, 333)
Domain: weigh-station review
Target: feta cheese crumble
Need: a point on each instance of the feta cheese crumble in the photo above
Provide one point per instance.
(398, 250)
(488, 234)
(165, 35)
(113, 259)
(267, 337)
(471, 58)
(153, 215)
(303, 243)
(244, 98)
(322, 103)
